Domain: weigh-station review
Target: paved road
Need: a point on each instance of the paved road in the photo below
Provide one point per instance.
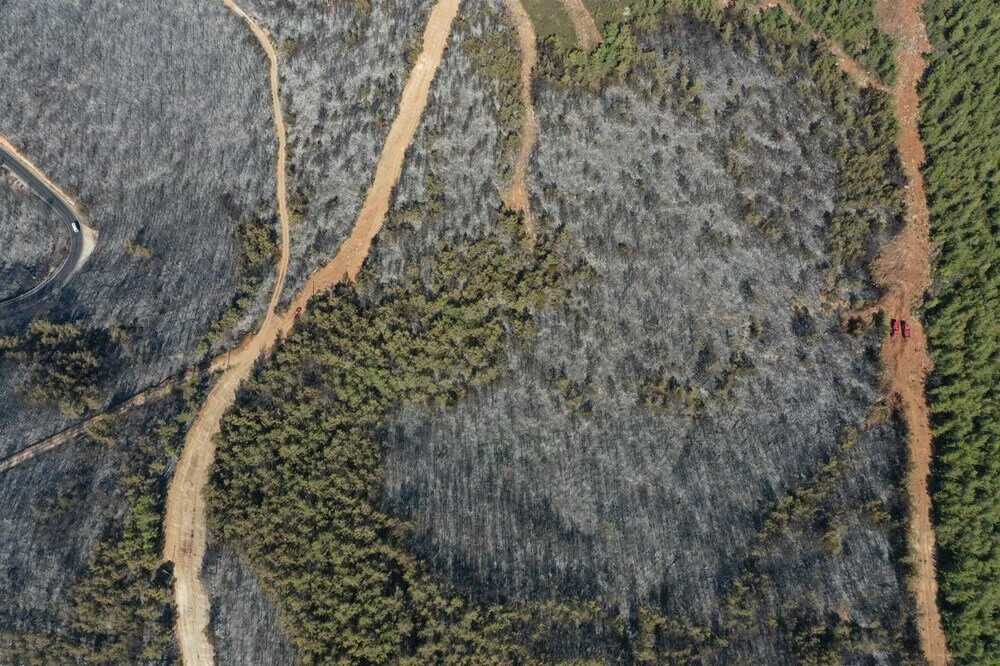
(68, 215)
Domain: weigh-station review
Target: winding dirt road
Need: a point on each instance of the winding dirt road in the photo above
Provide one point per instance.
(185, 523)
(903, 270)
(584, 25)
(518, 198)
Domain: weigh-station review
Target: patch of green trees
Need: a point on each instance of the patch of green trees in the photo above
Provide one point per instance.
(258, 251)
(65, 363)
(960, 122)
(297, 480)
(853, 25)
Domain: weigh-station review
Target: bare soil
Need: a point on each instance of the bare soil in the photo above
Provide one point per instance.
(587, 33)
(185, 528)
(518, 197)
(904, 271)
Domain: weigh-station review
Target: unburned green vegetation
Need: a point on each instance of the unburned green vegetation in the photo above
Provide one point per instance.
(257, 244)
(330, 464)
(550, 19)
(959, 128)
(853, 25)
(65, 364)
(308, 420)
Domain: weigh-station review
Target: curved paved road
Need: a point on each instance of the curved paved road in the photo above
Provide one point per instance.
(69, 215)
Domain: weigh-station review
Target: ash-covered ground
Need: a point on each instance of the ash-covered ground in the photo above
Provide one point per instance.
(36, 240)
(155, 117)
(635, 449)
(343, 67)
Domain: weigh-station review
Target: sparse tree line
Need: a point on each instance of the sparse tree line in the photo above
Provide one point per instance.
(257, 254)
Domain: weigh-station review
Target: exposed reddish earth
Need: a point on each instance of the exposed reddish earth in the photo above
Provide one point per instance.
(518, 198)
(903, 270)
(185, 526)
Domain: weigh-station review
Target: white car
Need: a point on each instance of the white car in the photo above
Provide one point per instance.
(76, 227)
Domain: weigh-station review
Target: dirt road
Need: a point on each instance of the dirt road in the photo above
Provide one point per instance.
(904, 270)
(584, 25)
(69, 434)
(518, 198)
(846, 62)
(185, 523)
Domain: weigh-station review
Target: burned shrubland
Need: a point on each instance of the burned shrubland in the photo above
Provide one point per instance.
(156, 120)
(646, 437)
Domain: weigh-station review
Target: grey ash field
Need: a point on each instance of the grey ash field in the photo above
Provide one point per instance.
(693, 432)
(36, 239)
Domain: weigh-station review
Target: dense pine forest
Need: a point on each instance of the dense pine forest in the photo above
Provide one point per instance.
(960, 125)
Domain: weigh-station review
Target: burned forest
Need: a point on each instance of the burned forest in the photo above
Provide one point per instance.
(493, 332)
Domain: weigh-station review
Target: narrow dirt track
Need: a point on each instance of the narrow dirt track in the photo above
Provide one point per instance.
(904, 270)
(587, 33)
(846, 62)
(185, 523)
(518, 198)
(69, 434)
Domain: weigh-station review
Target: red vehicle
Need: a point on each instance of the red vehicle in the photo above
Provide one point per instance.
(298, 311)
(906, 329)
(894, 331)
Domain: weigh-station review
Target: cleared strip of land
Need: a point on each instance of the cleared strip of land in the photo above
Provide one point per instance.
(518, 198)
(584, 25)
(903, 270)
(68, 435)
